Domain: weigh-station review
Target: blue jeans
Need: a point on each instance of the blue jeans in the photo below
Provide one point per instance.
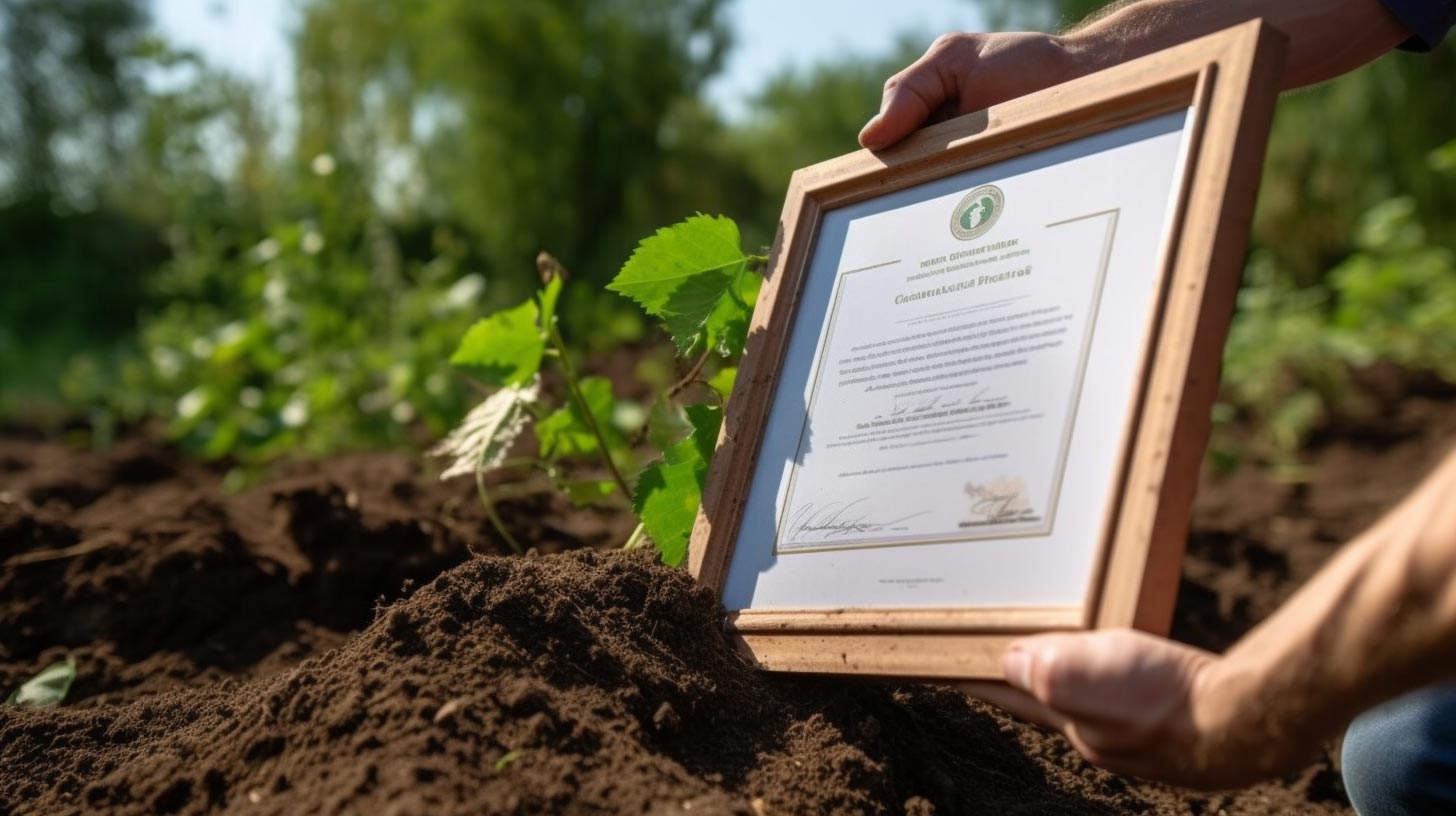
(1399, 758)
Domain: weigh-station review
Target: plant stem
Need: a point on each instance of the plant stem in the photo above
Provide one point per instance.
(692, 374)
(574, 386)
(634, 541)
(489, 505)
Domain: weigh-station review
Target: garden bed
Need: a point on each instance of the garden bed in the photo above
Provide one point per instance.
(327, 642)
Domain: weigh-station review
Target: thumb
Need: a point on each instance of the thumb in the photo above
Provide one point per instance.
(911, 96)
(1110, 674)
(1075, 673)
(1029, 662)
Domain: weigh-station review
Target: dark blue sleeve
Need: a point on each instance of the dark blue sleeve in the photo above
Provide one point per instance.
(1428, 21)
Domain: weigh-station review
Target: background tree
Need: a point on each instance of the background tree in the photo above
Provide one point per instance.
(70, 74)
(273, 275)
(535, 124)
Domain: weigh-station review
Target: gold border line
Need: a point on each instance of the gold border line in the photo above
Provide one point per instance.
(1048, 522)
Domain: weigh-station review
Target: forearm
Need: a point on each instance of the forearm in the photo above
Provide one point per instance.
(1378, 621)
(1327, 37)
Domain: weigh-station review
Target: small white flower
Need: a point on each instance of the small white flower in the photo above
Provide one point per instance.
(167, 361)
(628, 416)
(275, 291)
(312, 242)
(266, 250)
(402, 412)
(464, 292)
(295, 412)
(232, 333)
(323, 164)
(191, 403)
(202, 348)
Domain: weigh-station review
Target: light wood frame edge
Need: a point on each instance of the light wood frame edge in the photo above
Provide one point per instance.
(1135, 585)
(1139, 587)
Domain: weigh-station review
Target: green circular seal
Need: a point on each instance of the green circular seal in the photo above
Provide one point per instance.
(977, 212)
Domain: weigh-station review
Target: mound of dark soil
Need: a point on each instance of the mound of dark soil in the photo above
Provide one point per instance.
(223, 667)
(575, 683)
(139, 564)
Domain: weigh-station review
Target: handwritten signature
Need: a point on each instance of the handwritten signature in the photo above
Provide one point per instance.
(839, 519)
(922, 406)
(1002, 500)
(997, 506)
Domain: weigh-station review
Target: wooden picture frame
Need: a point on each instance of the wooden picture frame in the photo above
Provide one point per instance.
(1228, 82)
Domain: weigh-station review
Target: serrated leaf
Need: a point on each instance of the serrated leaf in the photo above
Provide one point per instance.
(706, 421)
(48, 688)
(666, 424)
(566, 433)
(669, 492)
(727, 326)
(682, 273)
(505, 348)
(486, 434)
(667, 503)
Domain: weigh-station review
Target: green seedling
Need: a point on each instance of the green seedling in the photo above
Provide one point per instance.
(506, 760)
(696, 279)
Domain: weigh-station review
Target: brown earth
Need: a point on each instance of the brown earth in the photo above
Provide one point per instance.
(326, 643)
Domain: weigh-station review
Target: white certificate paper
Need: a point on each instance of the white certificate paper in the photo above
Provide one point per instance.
(946, 425)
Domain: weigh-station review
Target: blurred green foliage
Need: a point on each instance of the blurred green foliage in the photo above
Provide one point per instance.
(314, 345)
(270, 276)
(1291, 348)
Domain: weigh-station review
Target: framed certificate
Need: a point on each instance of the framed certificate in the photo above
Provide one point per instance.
(977, 386)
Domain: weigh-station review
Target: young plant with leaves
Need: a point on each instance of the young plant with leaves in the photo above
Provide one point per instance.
(696, 279)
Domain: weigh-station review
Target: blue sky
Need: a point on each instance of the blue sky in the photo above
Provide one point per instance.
(250, 36)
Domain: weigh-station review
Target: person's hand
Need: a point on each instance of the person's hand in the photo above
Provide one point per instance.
(1148, 707)
(961, 73)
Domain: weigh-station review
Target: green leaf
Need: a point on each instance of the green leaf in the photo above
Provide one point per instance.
(723, 381)
(505, 348)
(683, 273)
(727, 326)
(667, 502)
(1443, 158)
(669, 492)
(562, 433)
(48, 688)
(666, 424)
(486, 434)
(706, 421)
(566, 433)
(550, 294)
(583, 494)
